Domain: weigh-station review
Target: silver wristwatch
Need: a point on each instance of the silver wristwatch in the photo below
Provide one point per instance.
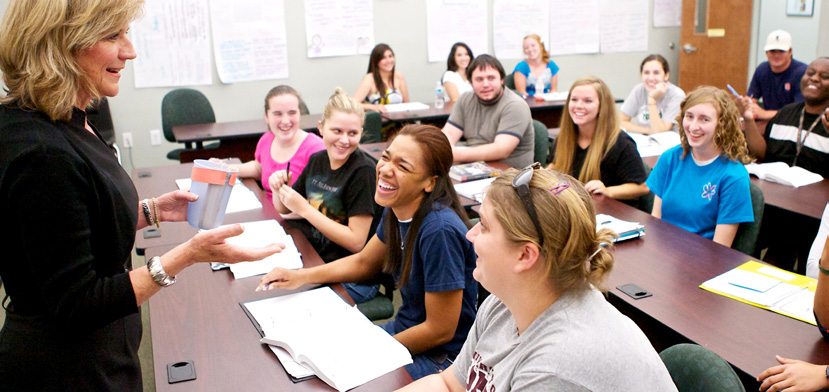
(157, 272)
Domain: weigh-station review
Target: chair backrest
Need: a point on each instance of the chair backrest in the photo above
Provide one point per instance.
(646, 200)
(509, 81)
(303, 108)
(695, 369)
(746, 239)
(101, 118)
(184, 106)
(542, 142)
(373, 128)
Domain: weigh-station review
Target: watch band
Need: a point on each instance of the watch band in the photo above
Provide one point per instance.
(160, 277)
(824, 271)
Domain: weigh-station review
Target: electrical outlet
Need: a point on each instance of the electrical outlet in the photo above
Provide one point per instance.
(127, 136)
(155, 137)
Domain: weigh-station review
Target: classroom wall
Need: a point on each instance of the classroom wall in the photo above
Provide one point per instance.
(401, 24)
(823, 31)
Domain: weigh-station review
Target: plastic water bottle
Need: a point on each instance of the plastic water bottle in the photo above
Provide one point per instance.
(439, 96)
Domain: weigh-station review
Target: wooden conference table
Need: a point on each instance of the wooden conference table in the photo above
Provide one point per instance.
(199, 318)
(671, 263)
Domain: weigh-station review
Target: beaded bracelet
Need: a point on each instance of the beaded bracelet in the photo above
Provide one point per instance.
(145, 206)
(157, 216)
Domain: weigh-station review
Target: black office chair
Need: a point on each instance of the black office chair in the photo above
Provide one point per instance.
(696, 369)
(100, 117)
(746, 238)
(184, 106)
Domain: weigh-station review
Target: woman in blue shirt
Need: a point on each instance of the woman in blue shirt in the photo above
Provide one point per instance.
(536, 69)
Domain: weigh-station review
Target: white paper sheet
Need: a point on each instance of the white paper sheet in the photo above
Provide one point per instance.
(453, 21)
(249, 40)
(574, 27)
(667, 13)
(264, 233)
(624, 25)
(339, 28)
(406, 107)
(474, 189)
(173, 44)
(655, 144)
(241, 198)
(514, 20)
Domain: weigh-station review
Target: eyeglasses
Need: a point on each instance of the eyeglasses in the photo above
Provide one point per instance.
(521, 184)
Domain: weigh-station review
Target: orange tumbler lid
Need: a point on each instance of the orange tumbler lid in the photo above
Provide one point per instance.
(210, 176)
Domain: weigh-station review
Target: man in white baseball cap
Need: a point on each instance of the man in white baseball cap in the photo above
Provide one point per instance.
(777, 81)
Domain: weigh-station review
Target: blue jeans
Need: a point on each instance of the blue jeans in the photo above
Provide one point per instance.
(361, 293)
(422, 364)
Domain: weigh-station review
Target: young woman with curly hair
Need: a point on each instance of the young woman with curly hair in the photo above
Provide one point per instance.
(709, 193)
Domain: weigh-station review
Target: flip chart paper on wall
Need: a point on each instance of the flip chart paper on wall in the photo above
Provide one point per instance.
(574, 27)
(249, 40)
(450, 21)
(624, 25)
(667, 13)
(515, 20)
(172, 41)
(339, 28)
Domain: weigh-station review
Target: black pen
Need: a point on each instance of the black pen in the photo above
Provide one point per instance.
(288, 173)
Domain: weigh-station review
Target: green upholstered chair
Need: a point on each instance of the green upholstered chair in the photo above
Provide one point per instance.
(542, 142)
(184, 106)
(373, 128)
(696, 369)
(746, 239)
(482, 292)
(380, 307)
(509, 81)
(303, 108)
(646, 201)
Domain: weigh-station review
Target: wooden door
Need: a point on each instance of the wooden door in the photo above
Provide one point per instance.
(714, 43)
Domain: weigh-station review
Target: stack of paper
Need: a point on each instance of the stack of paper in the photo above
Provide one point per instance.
(554, 96)
(264, 233)
(241, 198)
(353, 353)
(406, 107)
(769, 288)
(474, 189)
(655, 144)
(781, 173)
(624, 230)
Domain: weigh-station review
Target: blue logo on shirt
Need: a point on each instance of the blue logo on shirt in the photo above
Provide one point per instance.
(708, 191)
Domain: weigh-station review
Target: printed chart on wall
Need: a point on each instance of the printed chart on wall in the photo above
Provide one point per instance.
(249, 40)
(624, 25)
(515, 20)
(574, 27)
(450, 21)
(173, 44)
(339, 28)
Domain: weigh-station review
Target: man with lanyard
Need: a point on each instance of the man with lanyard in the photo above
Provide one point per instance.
(797, 135)
(495, 121)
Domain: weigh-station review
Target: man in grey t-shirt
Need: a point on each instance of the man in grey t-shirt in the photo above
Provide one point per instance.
(495, 121)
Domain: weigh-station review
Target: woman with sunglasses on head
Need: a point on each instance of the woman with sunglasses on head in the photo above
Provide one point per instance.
(454, 80)
(546, 326)
(420, 241)
(652, 106)
(592, 148)
(701, 185)
(382, 85)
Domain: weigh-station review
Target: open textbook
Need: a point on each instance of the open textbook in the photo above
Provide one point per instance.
(474, 189)
(782, 173)
(241, 198)
(769, 288)
(321, 332)
(655, 144)
(624, 230)
(259, 234)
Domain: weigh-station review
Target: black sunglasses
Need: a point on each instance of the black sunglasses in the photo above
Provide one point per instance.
(521, 183)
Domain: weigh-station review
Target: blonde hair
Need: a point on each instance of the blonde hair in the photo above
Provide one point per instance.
(545, 56)
(343, 103)
(728, 136)
(568, 223)
(39, 44)
(604, 137)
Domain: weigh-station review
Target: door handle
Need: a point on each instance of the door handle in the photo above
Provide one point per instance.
(688, 48)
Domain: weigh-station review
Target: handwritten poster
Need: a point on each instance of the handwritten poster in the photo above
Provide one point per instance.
(172, 41)
(339, 28)
(249, 40)
(450, 21)
(624, 25)
(667, 13)
(574, 27)
(515, 20)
